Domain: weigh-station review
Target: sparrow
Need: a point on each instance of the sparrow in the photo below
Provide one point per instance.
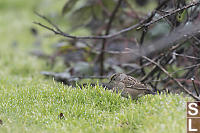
(128, 85)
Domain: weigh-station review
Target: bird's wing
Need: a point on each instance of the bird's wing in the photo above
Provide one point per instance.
(133, 83)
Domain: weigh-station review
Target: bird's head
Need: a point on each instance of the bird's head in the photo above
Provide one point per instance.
(117, 77)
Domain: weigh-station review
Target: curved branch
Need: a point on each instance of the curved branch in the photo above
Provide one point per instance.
(139, 25)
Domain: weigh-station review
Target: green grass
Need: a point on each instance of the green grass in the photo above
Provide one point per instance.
(31, 103)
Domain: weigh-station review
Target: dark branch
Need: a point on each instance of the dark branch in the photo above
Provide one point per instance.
(141, 24)
(186, 56)
(195, 88)
(111, 19)
(170, 76)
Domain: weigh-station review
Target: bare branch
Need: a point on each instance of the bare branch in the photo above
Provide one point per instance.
(139, 25)
(187, 56)
(172, 13)
(195, 88)
(111, 19)
(169, 75)
(49, 21)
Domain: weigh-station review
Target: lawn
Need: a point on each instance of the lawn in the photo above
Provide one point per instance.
(31, 103)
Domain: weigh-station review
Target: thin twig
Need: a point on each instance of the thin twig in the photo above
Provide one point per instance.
(49, 21)
(169, 75)
(141, 42)
(145, 29)
(195, 88)
(185, 68)
(187, 56)
(172, 13)
(107, 32)
(141, 24)
(197, 40)
(188, 67)
(155, 68)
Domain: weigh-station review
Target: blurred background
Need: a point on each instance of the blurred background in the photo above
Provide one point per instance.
(27, 47)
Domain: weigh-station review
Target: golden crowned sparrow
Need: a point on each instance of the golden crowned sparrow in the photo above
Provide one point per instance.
(128, 85)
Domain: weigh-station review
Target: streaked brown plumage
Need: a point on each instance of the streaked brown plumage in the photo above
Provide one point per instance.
(128, 85)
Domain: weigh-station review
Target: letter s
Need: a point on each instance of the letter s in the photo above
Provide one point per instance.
(193, 108)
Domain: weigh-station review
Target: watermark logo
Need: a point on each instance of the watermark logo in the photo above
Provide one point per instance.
(193, 117)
